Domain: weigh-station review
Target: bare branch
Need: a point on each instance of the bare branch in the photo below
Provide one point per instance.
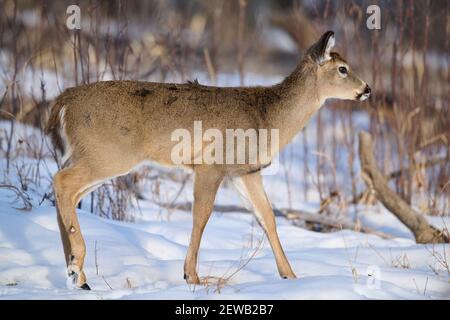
(422, 230)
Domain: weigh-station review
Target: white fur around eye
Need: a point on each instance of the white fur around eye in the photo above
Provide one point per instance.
(343, 75)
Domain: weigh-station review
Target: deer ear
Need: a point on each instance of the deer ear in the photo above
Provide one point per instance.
(320, 51)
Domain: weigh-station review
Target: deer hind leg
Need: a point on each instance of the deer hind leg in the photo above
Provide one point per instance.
(254, 191)
(70, 185)
(205, 188)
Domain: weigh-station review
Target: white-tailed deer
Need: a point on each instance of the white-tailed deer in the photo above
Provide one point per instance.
(107, 128)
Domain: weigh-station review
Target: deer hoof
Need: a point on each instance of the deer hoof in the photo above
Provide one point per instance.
(192, 279)
(76, 278)
(85, 286)
(288, 276)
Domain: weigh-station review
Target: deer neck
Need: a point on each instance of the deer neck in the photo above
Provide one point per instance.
(299, 100)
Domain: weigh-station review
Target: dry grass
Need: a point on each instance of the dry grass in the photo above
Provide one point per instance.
(352, 260)
(401, 261)
(441, 254)
(252, 248)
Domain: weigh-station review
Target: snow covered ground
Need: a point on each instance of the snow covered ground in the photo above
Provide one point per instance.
(144, 259)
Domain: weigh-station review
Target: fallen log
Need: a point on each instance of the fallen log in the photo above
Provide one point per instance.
(290, 214)
(375, 180)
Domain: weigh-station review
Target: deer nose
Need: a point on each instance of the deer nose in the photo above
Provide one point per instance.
(367, 90)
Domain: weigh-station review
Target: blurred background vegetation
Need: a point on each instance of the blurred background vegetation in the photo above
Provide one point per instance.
(253, 42)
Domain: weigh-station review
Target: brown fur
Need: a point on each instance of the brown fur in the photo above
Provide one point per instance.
(110, 127)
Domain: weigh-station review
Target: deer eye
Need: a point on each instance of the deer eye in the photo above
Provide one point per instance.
(343, 70)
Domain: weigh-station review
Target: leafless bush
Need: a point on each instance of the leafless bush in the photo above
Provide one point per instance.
(20, 196)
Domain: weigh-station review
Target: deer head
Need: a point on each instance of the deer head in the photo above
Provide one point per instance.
(335, 78)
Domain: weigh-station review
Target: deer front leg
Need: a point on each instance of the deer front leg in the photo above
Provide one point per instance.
(254, 189)
(205, 188)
